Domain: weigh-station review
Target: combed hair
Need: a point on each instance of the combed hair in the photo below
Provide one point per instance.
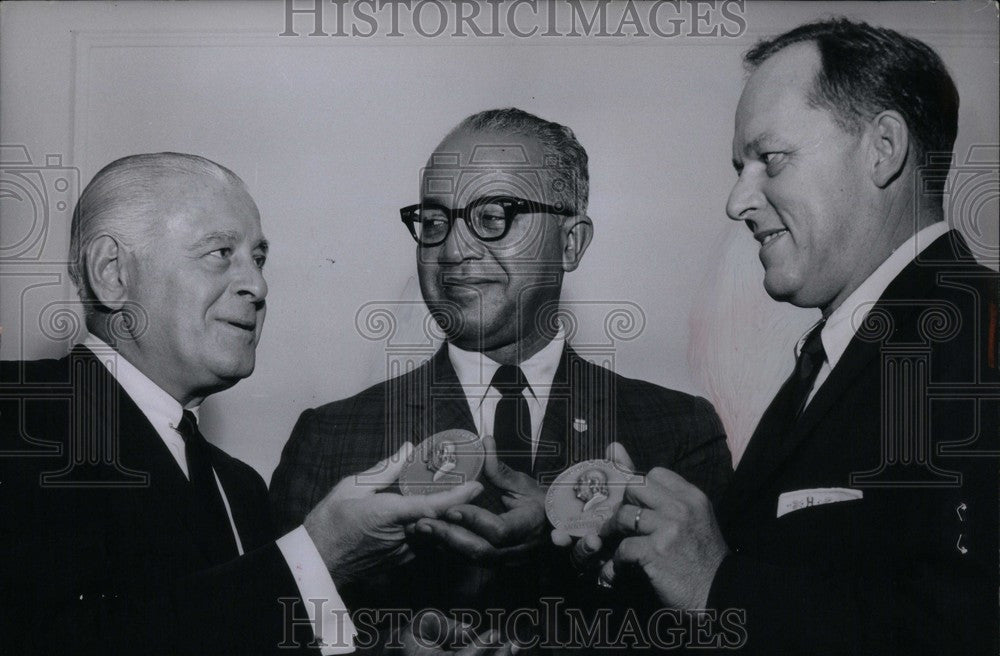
(564, 157)
(121, 201)
(866, 70)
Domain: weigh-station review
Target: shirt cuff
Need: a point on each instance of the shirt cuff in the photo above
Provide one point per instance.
(333, 628)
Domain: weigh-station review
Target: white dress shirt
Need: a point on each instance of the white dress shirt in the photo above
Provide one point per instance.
(475, 372)
(843, 322)
(164, 412)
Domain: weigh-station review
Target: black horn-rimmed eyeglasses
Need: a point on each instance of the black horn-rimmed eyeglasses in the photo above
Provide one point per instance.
(489, 218)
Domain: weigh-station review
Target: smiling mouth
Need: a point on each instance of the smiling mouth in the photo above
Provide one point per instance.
(450, 281)
(765, 237)
(246, 326)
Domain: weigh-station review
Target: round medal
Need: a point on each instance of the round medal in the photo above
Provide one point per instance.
(443, 460)
(585, 495)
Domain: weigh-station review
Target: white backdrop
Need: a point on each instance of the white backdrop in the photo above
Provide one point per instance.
(330, 133)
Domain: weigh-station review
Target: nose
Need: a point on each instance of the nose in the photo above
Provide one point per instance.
(250, 282)
(745, 199)
(460, 245)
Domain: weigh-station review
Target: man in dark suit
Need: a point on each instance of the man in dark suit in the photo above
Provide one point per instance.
(502, 217)
(124, 530)
(862, 518)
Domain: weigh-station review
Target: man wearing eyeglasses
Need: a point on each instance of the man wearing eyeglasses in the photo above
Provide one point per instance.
(501, 219)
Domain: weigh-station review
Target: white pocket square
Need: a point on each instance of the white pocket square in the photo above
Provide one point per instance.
(799, 499)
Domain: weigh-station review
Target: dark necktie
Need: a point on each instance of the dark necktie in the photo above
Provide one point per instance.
(512, 423)
(807, 367)
(788, 404)
(773, 439)
(208, 512)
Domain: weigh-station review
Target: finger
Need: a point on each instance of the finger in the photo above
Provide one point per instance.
(632, 552)
(606, 577)
(617, 524)
(501, 475)
(623, 521)
(520, 523)
(585, 551)
(649, 492)
(385, 472)
(670, 480)
(490, 446)
(617, 454)
(468, 544)
(480, 521)
(405, 557)
(456, 538)
(561, 538)
(409, 509)
(496, 471)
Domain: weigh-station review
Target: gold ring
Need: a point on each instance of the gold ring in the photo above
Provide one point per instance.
(635, 522)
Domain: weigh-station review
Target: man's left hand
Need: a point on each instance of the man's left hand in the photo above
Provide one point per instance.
(675, 542)
(486, 537)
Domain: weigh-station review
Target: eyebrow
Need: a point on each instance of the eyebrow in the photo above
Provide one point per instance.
(761, 142)
(434, 200)
(756, 145)
(225, 236)
(213, 237)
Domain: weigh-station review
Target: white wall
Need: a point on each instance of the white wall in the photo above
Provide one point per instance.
(330, 133)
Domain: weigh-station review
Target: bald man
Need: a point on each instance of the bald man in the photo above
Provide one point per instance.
(125, 531)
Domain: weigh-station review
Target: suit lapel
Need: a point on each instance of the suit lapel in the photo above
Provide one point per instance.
(141, 450)
(435, 399)
(579, 417)
(900, 300)
(551, 453)
(139, 446)
(252, 522)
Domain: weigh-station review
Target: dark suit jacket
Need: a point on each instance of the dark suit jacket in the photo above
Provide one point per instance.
(658, 427)
(97, 554)
(909, 417)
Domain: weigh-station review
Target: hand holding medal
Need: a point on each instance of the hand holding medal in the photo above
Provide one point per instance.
(444, 460)
(478, 534)
(581, 501)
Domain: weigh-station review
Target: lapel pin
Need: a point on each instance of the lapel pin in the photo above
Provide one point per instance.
(579, 425)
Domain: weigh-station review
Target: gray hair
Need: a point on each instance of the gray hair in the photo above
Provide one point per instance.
(121, 201)
(564, 157)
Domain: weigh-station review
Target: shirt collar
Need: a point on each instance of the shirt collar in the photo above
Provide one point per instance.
(840, 325)
(158, 406)
(475, 370)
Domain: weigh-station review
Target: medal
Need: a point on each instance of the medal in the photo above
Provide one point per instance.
(442, 461)
(584, 496)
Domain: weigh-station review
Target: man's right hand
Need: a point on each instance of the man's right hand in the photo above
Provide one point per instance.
(356, 528)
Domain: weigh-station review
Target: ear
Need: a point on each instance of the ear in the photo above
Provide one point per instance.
(106, 272)
(891, 144)
(577, 231)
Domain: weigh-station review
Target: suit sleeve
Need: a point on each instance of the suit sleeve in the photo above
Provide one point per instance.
(705, 461)
(57, 597)
(295, 486)
(680, 432)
